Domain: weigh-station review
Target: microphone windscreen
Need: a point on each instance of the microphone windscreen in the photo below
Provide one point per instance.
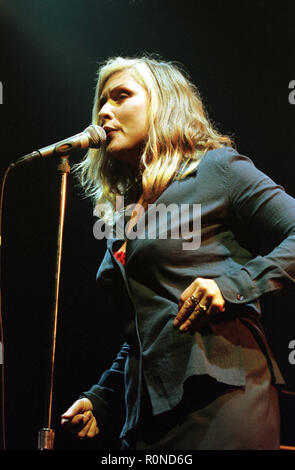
(97, 136)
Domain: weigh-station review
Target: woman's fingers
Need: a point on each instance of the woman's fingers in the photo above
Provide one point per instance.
(77, 408)
(196, 315)
(186, 307)
(197, 303)
(87, 421)
(90, 429)
(93, 429)
(80, 420)
(68, 423)
(79, 417)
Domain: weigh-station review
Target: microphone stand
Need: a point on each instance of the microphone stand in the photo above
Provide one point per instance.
(46, 434)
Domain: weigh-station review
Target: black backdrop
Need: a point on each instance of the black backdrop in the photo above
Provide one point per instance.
(241, 56)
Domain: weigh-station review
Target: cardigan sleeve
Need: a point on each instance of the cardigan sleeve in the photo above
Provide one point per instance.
(107, 396)
(266, 209)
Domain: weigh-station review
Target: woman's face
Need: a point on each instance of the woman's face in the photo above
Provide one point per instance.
(123, 115)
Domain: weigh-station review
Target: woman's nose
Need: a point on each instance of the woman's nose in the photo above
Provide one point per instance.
(106, 112)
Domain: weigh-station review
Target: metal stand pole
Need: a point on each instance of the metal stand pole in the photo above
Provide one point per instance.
(46, 435)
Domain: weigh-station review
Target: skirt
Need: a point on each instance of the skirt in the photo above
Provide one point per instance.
(217, 416)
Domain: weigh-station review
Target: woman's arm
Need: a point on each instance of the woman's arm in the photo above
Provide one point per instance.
(265, 209)
(102, 402)
(259, 206)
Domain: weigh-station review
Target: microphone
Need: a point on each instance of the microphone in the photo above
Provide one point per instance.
(93, 136)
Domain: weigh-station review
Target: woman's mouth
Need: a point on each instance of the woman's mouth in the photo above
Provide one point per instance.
(110, 133)
(109, 130)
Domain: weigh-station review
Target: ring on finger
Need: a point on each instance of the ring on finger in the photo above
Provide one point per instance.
(199, 310)
(195, 313)
(193, 299)
(202, 307)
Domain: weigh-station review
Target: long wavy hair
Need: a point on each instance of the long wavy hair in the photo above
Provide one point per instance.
(179, 134)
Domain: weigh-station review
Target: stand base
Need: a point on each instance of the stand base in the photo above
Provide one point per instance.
(46, 439)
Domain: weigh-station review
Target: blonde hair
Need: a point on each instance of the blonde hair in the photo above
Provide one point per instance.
(179, 135)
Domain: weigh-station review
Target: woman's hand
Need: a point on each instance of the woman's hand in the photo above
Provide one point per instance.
(79, 419)
(198, 303)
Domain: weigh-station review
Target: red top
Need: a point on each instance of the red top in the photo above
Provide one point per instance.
(120, 255)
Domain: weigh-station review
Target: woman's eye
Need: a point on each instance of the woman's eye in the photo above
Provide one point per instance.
(123, 95)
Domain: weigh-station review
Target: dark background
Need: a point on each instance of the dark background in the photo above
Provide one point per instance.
(240, 55)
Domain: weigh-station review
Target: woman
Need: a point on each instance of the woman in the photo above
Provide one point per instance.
(195, 370)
